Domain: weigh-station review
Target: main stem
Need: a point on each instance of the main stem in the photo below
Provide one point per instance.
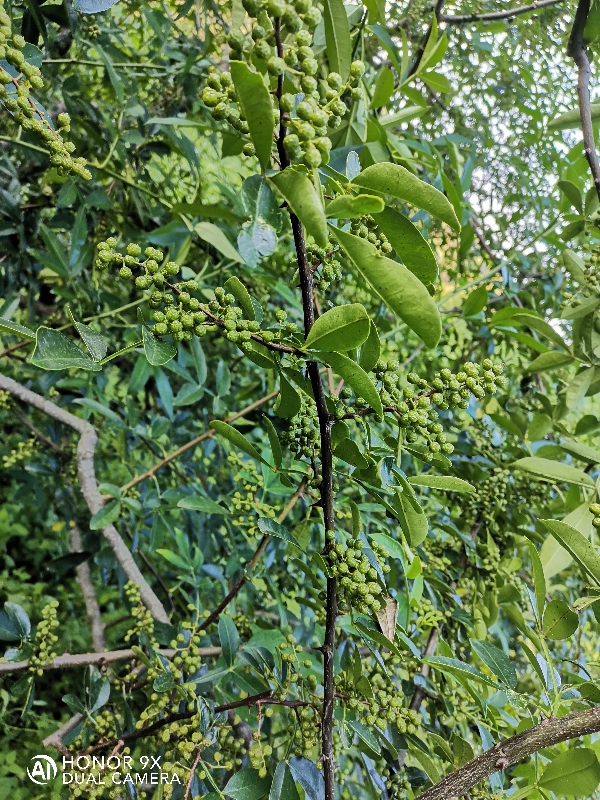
(325, 423)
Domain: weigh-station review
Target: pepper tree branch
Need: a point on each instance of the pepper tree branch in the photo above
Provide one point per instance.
(89, 487)
(462, 19)
(511, 751)
(576, 49)
(89, 595)
(325, 423)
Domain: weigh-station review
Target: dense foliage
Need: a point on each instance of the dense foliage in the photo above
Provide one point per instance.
(299, 367)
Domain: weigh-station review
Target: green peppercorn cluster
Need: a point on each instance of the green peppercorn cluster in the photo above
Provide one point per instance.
(258, 754)
(15, 95)
(246, 502)
(366, 227)
(23, 452)
(143, 620)
(397, 784)
(491, 497)
(325, 267)
(44, 640)
(303, 437)
(591, 271)
(89, 28)
(307, 733)
(316, 107)
(359, 584)
(595, 510)
(428, 616)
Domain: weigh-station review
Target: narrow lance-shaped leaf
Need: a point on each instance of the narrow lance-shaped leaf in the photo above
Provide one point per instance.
(539, 580)
(575, 542)
(399, 182)
(395, 285)
(409, 244)
(339, 329)
(299, 193)
(337, 37)
(238, 440)
(496, 661)
(356, 378)
(255, 102)
(546, 469)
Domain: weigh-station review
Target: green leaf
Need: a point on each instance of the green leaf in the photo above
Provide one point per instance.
(553, 555)
(399, 182)
(158, 352)
(247, 783)
(395, 285)
(106, 515)
(163, 682)
(573, 773)
(436, 81)
(446, 484)
(239, 291)
(475, 302)
(255, 103)
(95, 343)
(578, 546)
(174, 558)
(339, 329)
(370, 349)
(578, 387)
(348, 206)
(572, 119)
(560, 621)
(427, 763)
(274, 442)
(548, 361)
(288, 400)
(414, 523)
(356, 378)
(350, 452)
(271, 527)
(212, 234)
(581, 451)
(384, 88)
(17, 330)
(541, 326)
(19, 619)
(409, 244)
(365, 735)
(283, 786)
(298, 191)
(258, 237)
(497, 662)
(229, 638)
(337, 37)
(572, 193)
(54, 350)
(458, 669)
(237, 439)
(116, 82)
(575, 266)
(554, 471)
(539, 580)
(199, 503)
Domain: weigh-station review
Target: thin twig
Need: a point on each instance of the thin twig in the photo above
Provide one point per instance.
(462, 19)
(41, 436)
(89, 593)
(88, 439)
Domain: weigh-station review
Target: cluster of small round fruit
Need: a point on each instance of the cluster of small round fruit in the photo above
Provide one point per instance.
(22, 452)
(15, 95)
(303, 436)
(143, 620)
(325, 267)
(428, 616)
(595, 510)
(44, 639)
(366, 227)
(246, 501)
(358, 580)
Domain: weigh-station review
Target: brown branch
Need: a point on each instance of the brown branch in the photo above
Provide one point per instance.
(89, 594)
(56, 739)
(253, 561)
(194, 442)
(88, 438)
(68, 660)
(576, 49)
(462, 19)
(511, 751)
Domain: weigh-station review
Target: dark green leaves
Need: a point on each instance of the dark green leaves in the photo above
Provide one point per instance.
(283, 786)
(199, 503)
(158, 352)
(14, 622)
(18, 330)
(574, 773)
(399, 182)
(298, 191)
(339, 329)
(395, 285)
(347, 206)
(229, 638)
(497, 662)
(106, 516)
(560, 621)
(247, 783)
(409, 244)
(258, 237)
(459, 669)
(255, 103)
(53, 350)
(337, 37)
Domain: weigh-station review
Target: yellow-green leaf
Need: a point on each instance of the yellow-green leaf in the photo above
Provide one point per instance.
(255, 103)
(409, 244)
(339, 329)
(299, 193)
